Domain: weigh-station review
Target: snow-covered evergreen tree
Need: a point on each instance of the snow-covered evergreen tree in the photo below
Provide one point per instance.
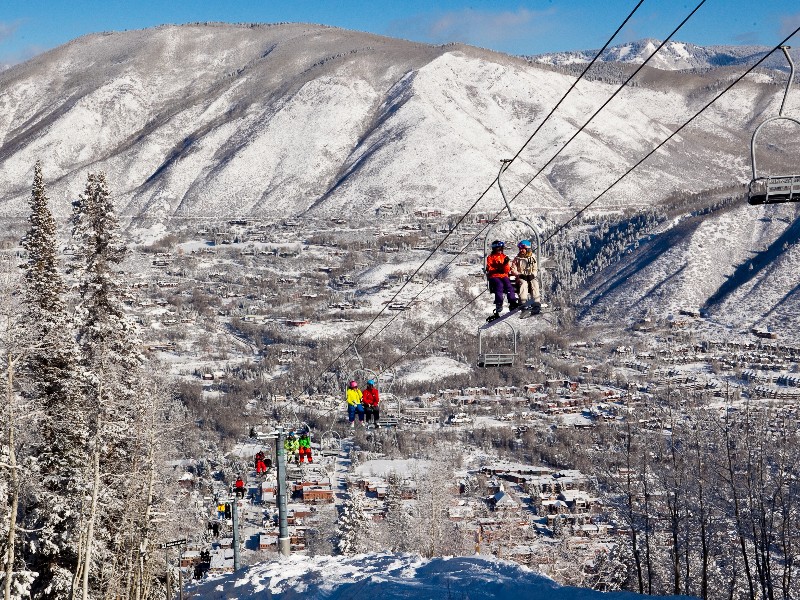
(111, 361)
(60, 449)
(398, 521)
(353, 529)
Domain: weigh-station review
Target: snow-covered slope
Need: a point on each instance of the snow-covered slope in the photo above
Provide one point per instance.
(303, 120)
(740, 265)
(391, 577)
(673, 56)
(291, 119)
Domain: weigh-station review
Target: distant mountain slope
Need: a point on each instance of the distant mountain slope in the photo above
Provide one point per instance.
(303, 119)
(312, 122)
(673, 56)
(739, 265)
(392, 577)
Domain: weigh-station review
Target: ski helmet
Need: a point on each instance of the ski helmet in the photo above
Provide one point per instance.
(498, 244)
(524, 244)
(370, 382)
(353, 384)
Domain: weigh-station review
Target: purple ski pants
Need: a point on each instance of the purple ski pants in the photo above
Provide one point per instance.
(499, 286)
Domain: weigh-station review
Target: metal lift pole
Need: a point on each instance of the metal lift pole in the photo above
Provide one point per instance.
(181, 552)
(235, 514)
(791, 77)
(283, 524)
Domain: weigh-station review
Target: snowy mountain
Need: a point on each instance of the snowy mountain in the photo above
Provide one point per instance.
(391, 577)
(312, 122)
(301, 119)
(672, 57)
(740, 266)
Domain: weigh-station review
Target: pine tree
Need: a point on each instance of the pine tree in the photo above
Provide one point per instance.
(111, 362)
(60, 449)
(353, 527)
(398, 521)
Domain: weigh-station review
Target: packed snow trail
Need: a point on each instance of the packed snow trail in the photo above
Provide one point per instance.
(392, 577)
(341, 469)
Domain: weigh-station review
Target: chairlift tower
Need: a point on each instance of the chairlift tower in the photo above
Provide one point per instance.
(279, 435)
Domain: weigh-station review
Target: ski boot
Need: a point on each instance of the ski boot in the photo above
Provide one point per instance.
(493, 316)
(514, 304)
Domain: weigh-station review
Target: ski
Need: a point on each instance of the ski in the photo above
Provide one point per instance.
(504, 316)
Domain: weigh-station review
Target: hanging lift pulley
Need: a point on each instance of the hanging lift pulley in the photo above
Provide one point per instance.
(774, 189)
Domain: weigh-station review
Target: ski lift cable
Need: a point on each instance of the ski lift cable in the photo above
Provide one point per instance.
(541, 169)
(420, 342)
(620, 178)
(631, 169)
(354, 342)
(489, 187)
(672, 135)
(496, 179)
(606, 103)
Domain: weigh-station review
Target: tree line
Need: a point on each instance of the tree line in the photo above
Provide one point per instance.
(79, 455)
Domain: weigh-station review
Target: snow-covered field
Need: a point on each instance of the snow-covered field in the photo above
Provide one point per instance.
(392, 577)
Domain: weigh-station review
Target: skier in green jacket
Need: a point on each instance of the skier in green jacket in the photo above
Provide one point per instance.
(305, 448)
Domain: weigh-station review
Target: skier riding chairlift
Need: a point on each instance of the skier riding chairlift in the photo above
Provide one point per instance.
(498, 266)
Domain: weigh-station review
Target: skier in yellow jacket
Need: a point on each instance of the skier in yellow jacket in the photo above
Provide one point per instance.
(355, 404)
(291, 445)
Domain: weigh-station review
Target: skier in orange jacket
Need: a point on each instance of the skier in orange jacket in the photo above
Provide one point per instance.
(498, 267)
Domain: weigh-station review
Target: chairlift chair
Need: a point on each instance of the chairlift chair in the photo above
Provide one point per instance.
(497, 359)
(330, 443)
(774, 189)
(534, 237)
(361, 374)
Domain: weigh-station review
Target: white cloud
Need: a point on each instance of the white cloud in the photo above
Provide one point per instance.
(7, 30)
(789, 23)
(481, 28)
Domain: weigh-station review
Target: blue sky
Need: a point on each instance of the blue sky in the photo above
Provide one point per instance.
(28, 27)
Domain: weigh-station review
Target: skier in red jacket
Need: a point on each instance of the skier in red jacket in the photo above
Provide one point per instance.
(371, 400)
(239, 487)
(261, 465)
(498, 266)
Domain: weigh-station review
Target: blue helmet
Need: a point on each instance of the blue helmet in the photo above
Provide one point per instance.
(370, 382)
(524, 244)
(498, 244)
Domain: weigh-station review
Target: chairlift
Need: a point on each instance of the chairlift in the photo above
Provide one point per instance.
(774, 189)
(534, 238)
(497, 359)
(533, 234)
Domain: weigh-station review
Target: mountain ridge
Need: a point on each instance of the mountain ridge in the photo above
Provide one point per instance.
(302, 121)
(673, 56)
